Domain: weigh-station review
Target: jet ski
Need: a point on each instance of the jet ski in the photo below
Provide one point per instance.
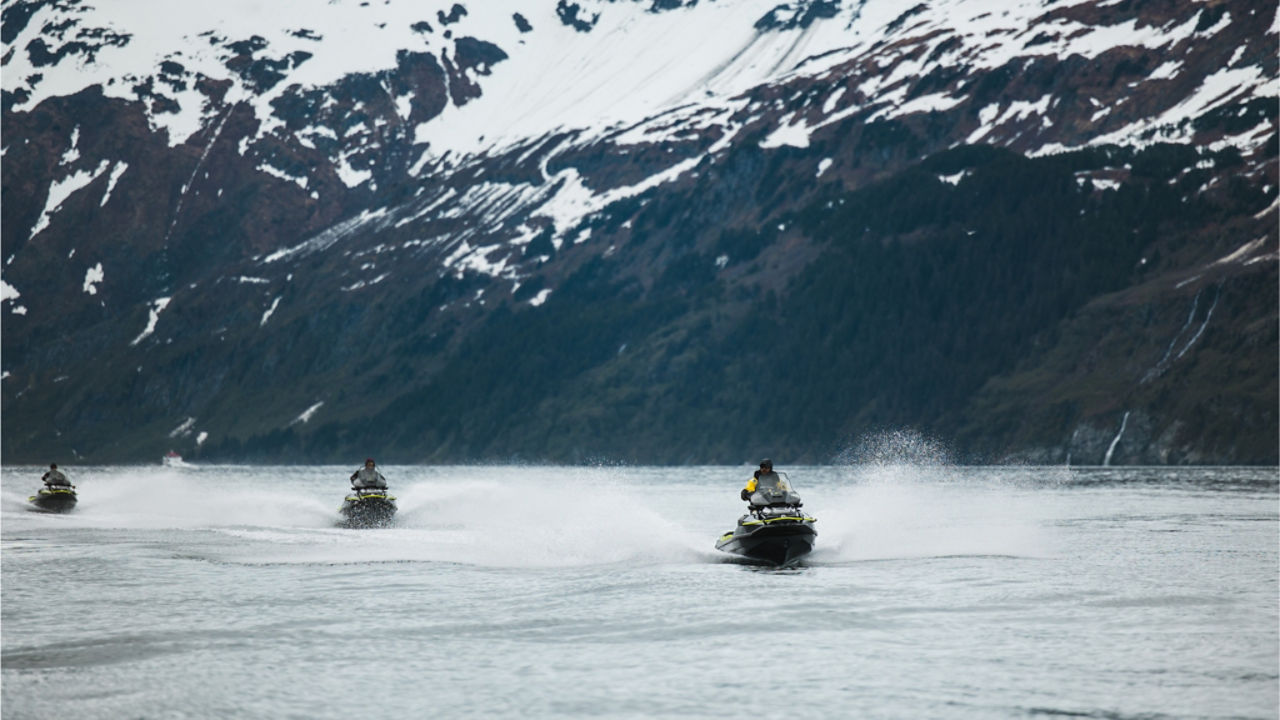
(54, 498)
(774, 531)
(368, 507)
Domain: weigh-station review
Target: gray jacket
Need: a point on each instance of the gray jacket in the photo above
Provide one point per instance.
(55, 478)
(367, 477)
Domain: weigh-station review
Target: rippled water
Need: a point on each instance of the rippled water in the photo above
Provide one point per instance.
(934, 592)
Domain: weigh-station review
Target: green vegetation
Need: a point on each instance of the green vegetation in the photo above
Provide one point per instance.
(922, 294)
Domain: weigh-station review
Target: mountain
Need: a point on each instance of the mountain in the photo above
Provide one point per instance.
(656, 231)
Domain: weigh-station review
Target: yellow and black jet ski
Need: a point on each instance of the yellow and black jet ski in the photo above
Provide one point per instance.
(775, 531)
(368, 508)
(54, 498)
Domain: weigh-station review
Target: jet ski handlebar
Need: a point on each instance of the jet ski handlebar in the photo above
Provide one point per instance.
(763, 511)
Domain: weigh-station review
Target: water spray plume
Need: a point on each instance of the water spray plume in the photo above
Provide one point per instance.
(896, 447)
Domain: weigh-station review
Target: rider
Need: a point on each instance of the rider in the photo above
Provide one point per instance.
(54, 478)
(368, 477)
(764, 478)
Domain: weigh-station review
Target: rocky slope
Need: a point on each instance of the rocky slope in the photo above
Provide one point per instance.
(645, 232)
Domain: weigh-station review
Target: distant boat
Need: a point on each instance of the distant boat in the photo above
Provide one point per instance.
(172, 459)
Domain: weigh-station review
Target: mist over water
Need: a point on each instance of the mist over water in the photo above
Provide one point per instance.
(933, 591)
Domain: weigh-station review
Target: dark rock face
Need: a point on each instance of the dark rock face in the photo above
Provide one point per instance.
(320, 283)
(803, 14)
(573, 15)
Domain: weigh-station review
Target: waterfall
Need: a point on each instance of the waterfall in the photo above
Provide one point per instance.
(1106, 461)
(1203, 325)
(1163, 365)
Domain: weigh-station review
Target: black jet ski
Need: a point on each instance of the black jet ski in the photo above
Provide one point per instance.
(54, 498)
(774, 531)
(368, 507)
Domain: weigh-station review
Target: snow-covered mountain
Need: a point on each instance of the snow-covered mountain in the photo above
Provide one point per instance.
(259, 224)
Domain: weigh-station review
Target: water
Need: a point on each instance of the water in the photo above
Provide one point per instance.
(934, 592)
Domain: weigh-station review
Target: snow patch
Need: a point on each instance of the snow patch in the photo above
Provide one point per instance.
(92, 277)
(366, 283)
(307, 414)
(1174, 125)
(116, 172)
(73, 153)
(275, 172)
(1166, 71)
(327, 238)
(541, 297)
(349, 175)
(271, 310)
(792, 135)
(62, 189)
(157, 306)
(937, 102)
(184, 429)
(1242, 253)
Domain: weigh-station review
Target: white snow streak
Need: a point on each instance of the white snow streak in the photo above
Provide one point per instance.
(62, 189)
(275, 172)
(1242, 253)
(183, 429)
(307, 414)
(157, 306)
(326, 239)
(366, 283)
(182, 197)
(267, 315)
(116, 172)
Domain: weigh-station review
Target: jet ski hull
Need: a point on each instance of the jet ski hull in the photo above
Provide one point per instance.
(780, 541)
(53, 501)
(368, 510)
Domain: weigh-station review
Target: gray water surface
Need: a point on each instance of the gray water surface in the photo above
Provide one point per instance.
(934, 592)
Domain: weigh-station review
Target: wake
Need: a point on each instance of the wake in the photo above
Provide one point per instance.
(547, 517)
(500, 522)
